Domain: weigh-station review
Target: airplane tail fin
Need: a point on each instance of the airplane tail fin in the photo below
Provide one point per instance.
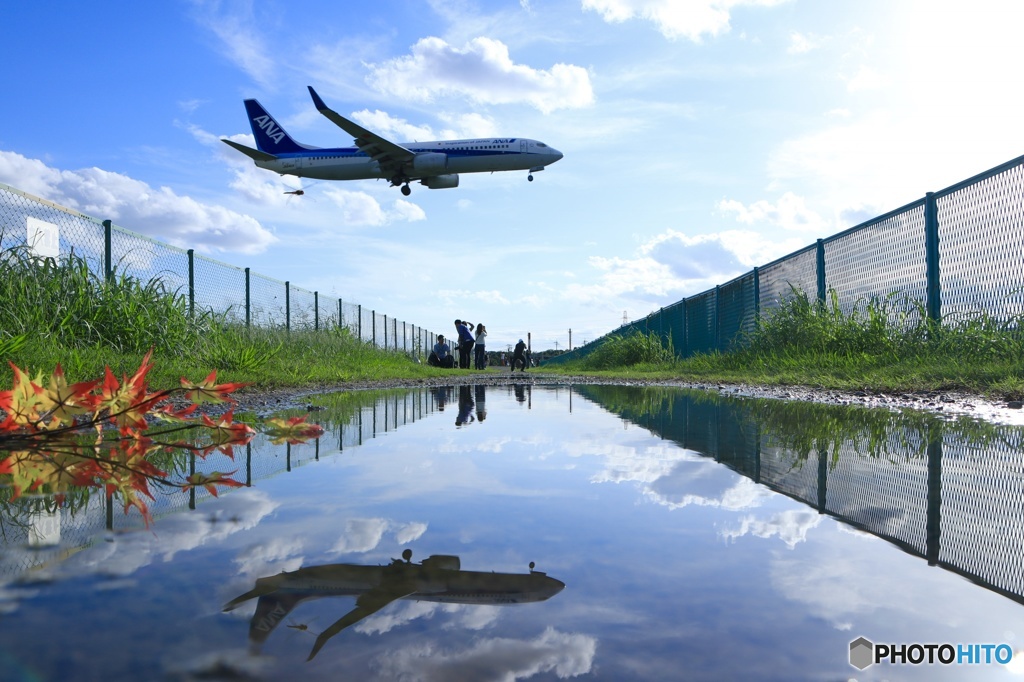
(270, 611)
(271, 138)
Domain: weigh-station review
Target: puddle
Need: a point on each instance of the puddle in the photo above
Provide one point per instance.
(532, 532)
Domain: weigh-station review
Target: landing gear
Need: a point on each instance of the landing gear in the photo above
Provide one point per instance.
(406, 190)
(530, 178)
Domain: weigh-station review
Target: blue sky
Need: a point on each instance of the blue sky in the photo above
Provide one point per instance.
(701, 137)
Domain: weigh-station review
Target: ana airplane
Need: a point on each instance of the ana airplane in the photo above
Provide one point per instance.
(437, 578)
(435, 165)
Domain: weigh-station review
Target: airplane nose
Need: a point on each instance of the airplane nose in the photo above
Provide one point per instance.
(556, 154)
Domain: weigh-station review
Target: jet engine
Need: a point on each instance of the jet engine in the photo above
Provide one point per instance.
(429, 163)
(442, 181)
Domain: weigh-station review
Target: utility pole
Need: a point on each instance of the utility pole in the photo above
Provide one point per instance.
(570, 339)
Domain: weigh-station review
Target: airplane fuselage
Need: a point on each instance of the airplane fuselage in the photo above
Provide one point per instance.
(445, 157)
(446, 586)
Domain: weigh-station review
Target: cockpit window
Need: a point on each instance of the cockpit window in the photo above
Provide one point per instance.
(541, 144)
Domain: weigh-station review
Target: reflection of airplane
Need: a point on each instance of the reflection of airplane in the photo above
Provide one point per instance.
(435, 164)
(437, 578)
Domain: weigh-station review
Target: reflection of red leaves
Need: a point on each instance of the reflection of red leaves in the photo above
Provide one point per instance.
(294, 430)
(210, 481)
(43, 421)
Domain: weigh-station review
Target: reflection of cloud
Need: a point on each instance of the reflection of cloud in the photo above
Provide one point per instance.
(125, 554)
(362, 535)
(563, 654)
(270, 557)
(464, 616)
(790, 526)
(674, 477)
(707, 484)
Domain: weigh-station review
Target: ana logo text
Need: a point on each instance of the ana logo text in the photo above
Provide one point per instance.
(270, 128)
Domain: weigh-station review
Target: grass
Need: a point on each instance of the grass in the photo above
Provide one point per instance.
(881, 346)
(61, 312)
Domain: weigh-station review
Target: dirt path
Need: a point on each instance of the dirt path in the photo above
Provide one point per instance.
(265, 402)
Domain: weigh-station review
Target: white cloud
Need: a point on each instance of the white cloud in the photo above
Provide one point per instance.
(239, 40)
(482, 71)
(673, 264)
(690, 19)
(134, 205)
(800, 43)
(790, 213)
(359, 208)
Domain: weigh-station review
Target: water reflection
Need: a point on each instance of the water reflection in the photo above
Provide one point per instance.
(948, 491)
(437, 578)
(466, 406)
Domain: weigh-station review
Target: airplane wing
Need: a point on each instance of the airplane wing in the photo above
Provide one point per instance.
(254, 154)
(368, 603)
(391, 157)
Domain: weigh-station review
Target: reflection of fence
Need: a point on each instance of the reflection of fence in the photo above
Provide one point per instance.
(242, 296)
(29, 533)
(953, 253)
(940, 494)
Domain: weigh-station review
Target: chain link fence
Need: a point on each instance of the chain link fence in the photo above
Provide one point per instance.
(241, 296)
(953, 254)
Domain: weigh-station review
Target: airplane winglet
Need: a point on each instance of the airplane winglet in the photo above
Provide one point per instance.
(389, 154)
(254, 154)
(317, 102)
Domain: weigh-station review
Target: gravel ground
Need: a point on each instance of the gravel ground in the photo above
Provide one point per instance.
(951, 404)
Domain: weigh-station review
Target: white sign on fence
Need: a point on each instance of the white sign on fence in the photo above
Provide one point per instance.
(43, 238)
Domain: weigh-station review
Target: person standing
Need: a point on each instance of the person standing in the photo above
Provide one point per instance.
(465, 343)
(480, 348)
(519, 355)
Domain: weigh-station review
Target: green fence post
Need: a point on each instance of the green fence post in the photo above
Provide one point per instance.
(931, 241)
(341, 318)
(757, 299)
(385, 332)
(359, 326)
(248, 301)
(287, 306)
(316, 311)
(686, 333)
(373, 318)
(191, 283)
(108, 267)
(718, 339)
(820, 267)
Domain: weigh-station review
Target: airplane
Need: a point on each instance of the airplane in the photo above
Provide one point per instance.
(436, 165)
(438, 578)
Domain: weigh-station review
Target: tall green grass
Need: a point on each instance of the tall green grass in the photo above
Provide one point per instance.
(64, 303)
(58, 311)
(880, 344)
(630, 350)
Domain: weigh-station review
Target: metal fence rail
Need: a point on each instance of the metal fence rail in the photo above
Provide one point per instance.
(954, 253)
(241, 296)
